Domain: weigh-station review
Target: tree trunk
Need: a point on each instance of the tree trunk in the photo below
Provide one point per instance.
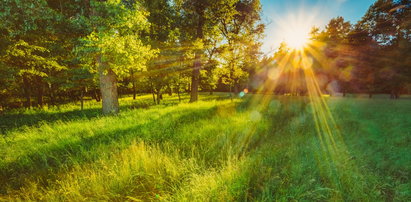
(52, 97)
(134, 90)
(40, 95)
(152, 92)
(108, 87)
(158, 96)
(235, 89)
(170, 90)
(60, 99)
(134, 84)
(231, 92)
(195, 79)
(178, 93)
(26, 89)
(96, 95)
(82, 99)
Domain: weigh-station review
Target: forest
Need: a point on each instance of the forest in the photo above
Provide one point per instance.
(180, 100)
(55, 52)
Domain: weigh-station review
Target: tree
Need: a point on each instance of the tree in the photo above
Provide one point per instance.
(238, 22)
(32, 66)
(7, 81)
(337, 30)
(115, 47)
(164, 34)
(28, 34)
(209, 75)
(387, 22)
(336, 53)
(194, 15)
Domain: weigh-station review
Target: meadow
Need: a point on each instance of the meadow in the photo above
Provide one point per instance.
(217, 149)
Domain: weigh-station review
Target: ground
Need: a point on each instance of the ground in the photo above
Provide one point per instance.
(253, 148)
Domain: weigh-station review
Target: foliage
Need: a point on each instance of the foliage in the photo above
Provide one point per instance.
(116, 37)
(371, 56)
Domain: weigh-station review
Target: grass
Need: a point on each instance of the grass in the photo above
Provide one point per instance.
(216, 149)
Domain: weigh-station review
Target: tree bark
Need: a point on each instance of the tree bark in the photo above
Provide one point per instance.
(133, 82)
(159, 96)
(40, 95)
(195, 78)
(170, 90)
(134, 90)
(178, 93)
(108, 87)
(152, 91)
(96, 95)
(82, 99)
(154, 97)
(26, 89)
(231, 93)
(235, 89)
(52, 96)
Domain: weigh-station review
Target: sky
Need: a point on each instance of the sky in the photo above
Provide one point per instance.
(284, 16)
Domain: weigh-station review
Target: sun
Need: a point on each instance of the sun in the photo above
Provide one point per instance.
(296, 36)
(294, 29)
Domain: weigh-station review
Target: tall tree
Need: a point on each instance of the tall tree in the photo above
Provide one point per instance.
(163, 34)
(239, 23)
(388, 23)
(115, 47)
(197, 22)
(28, 29)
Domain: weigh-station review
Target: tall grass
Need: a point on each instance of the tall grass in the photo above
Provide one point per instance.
(215, 150)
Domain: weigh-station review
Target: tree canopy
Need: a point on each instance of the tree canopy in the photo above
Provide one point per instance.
(59, 51)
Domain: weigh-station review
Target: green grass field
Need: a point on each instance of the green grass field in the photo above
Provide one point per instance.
(213, 150)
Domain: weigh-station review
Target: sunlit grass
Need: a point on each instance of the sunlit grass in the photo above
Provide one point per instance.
(213, 150)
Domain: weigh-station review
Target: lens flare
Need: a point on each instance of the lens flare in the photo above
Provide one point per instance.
(294, 28)
(296, 37)
(297, 73)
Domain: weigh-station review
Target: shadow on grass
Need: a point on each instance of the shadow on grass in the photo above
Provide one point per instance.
(46, 162)
(14, 121)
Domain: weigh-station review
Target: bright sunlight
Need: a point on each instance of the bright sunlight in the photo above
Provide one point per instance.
(296, 37)
(251, 100)
(294, 28)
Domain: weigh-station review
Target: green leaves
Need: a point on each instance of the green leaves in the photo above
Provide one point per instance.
(30, 59)
(21, 18)
(116, 38)
(122, 53)
(238, 23)
(113, 15)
